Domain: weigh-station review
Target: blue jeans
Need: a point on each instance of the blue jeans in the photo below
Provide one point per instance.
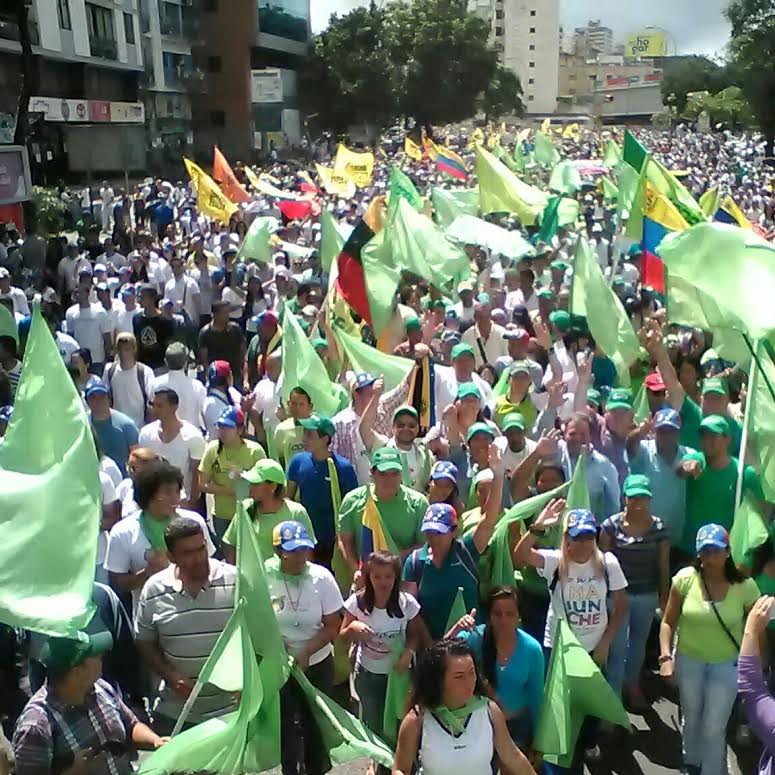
(707, 694)
(628, 648)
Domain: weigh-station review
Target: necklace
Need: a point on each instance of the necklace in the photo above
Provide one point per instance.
(293, 604)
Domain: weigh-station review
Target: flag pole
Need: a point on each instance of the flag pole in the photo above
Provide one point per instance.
(755, 356)
(746, 425)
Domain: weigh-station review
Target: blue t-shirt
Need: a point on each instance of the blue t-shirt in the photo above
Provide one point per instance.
(116, 435)
(520, 682)
(312, 479)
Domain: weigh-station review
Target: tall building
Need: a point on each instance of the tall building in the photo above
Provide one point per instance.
(529, 34)
(85, 117)
(593, 39)
(251, 52)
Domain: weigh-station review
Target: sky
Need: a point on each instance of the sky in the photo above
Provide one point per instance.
(697, 26)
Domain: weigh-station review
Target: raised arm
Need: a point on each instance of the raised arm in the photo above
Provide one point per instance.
(525, 552)
(654, 343)
(494, 506)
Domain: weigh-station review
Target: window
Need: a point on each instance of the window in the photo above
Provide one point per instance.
(531, 64)
(499, 32)
(532, 47)
(499, 14)
(63, 14)
(532, 12)
(218, 118)
(129, 27)
(532, 30)
(530, 98)
(531, 80)
(100, 22)
(572, 77)
(213, 64)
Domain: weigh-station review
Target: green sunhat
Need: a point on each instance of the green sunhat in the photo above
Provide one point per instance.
(412, 323)
(715, 423)
(637, 484)
(714, 385)
(386, 459)
(465, 389)
(513, 420)
(61, 654)
(406, 409)
(593, 396)
(266, 470)
(462, 349)
(319, 423)
(619, 398)
(560, 319)
(479, 427)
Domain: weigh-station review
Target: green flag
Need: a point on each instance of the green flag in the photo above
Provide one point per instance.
(568, 211)
(574, 688)
(50, 501)
(613, 154)
(520, 161)
(732, 266)
(501, 191)
(469, 230)
(565, 179)
(401, 187)
(302, 367)
(8, 325)
(332, 239)
(641, 405)
(397, 691)
(627, 181)
(761, 422)
(381, 276)
(500, 153)
(634, 153)
(610, 191)
(608, 323)
(578, 492)
(256, 247)
(364, 357)
(448, 204)
(710, 201)
(550, 220)
(458, 610)
(545, 153)
(749, 530)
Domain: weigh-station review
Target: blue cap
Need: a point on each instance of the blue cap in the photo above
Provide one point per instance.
(7, 410)
(444, 470)
(451, 336)
(667, 418)
(439, 518)
(363, 379)
(580, 522)
(713, 536)
(94, 387)
(233, 417)
(128, 290)
(290, 536)
(217, 275)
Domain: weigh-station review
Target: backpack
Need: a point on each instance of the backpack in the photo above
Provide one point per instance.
(140, 381)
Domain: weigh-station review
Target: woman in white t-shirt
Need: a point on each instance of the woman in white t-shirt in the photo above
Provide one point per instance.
(383, 624)
(307, 603)
(580, 578)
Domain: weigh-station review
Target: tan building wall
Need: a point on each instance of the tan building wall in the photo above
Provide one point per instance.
(578, 77)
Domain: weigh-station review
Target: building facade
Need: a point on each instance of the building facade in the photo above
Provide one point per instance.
(594, 39)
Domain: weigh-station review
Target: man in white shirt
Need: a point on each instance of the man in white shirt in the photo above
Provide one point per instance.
(111, 257)
(485, 337)
(124, 309)
(90, 327)
(20, 305)
(68, 270)
(191, 392)
(465, 307)
(448, 378)
(175, 440)
(107, 196)
(266, 397)
(525, 295)
(130, 383)
(183, 291)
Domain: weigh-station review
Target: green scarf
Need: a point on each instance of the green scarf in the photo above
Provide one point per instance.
(153, 530)
(454, 720)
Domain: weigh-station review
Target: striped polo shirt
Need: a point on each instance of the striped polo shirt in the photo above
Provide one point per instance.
(185, 629)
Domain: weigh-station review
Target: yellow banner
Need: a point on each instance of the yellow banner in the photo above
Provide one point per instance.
(650, 43)
(412, 150)
(211, 201)
(661, 210)
(334, 183)
(354, 166)
(265, 184)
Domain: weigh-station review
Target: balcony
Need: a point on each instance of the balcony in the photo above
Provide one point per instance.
(9, 30)
(174, 25)
(103, 48)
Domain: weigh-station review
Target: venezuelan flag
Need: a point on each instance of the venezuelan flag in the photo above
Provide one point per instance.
(374, 536)
(660, 217)
(449, 162)
(730, 213)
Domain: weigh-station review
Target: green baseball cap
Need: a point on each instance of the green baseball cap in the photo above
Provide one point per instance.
(593, 396)
(60, 654)
(546, 293)
(465, 389)
(560, 319)
(319, 342)
(265, 471)
(462, 349)
(438, 304)
(714, 385)
(637, 484)
(386, 459)
(406, 409)
(513, 420)
(319, 423)
(519, 367)
(479, 427)
(715, 423)
(559, 264)
(619, 398)
(412, 323)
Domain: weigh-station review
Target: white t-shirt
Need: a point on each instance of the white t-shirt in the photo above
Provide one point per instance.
(446, 385)
(267, 394)
(511, 460)
(108, 492)
(234, 298)
(517, 298)
(183, 289)
(186, 448)
(68, 269)
(128, 547)
(495, 347)
(215, 404)
(88, 326)
(124, 385)
(108, 466)
(191, 395)
(158, 270)
(123, 318)
(582, 597)
(126, 494)
(20, 304)
(375, 655)
(300, 607)
(66, 345)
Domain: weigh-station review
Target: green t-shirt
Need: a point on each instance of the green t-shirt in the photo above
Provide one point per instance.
(691, 417)
(700, 635)
(401, 515)
(286, 441)
(266, 523)
(711, 497)
(225, 468)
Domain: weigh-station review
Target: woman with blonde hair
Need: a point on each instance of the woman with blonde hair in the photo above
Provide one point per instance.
(139, 457)
(580, 578)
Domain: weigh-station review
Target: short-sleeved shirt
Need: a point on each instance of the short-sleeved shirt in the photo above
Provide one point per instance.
(402, 515)
(638, 555)
(581, 597)
(88, 326)
(437, 587)
(185, 629)
(691, 417)
(225, 466)
(153, 334)
(186, 448)
(116, 435)
(287, 441)
(700, 635)
(375, 655)
(224, 345)
(300, 603)
(264, 524)
(314, 482)
(711, 497)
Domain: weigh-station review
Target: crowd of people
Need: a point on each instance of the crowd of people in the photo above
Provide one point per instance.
(175, 342)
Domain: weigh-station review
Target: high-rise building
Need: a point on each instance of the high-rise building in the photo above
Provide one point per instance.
(593, 39)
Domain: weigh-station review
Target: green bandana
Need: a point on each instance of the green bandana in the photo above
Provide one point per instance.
(153, 530)
(454, 720)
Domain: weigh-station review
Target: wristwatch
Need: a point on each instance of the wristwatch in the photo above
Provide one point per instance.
(538, 530)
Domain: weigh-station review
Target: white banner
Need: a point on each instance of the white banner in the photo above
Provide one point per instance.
(266, 86)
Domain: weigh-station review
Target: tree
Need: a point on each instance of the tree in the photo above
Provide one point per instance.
(691, 74)
(503, 95)
(752, 51)
(728, 107)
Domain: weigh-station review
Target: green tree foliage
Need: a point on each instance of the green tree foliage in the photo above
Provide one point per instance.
(429, 59)
(503, 95)
(752, 50)
(691, 74)
(729, 107)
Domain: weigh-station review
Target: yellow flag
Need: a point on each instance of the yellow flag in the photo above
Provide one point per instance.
(571, 131)
(545, 124)
(335, 183)
(211, 201)
(265, 183)
(477, 138)
(493, 139)
(524, 134)
(412, 150)
(354, 166)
